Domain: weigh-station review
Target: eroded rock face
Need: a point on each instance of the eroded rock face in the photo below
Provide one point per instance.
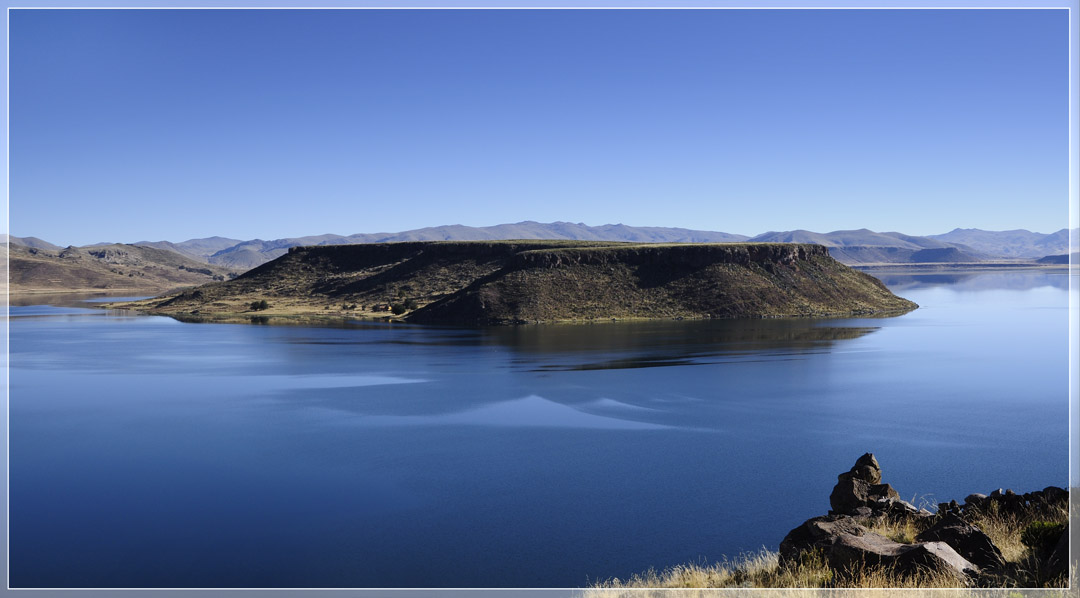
(968, 540)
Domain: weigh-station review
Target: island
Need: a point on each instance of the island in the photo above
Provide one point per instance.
(529, 281)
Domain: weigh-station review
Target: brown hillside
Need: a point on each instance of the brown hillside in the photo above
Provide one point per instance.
(105, 267)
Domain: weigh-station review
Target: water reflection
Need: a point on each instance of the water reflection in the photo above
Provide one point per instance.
(67, 299)
(667, 343)
(975, 280)
(528, 412)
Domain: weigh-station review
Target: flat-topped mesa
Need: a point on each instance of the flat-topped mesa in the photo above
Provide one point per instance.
(506, 282)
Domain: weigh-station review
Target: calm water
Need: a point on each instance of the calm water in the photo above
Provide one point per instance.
(150, 453)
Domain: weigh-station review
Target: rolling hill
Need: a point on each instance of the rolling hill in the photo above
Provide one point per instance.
(128, 268)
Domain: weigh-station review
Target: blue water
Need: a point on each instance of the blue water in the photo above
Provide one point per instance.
(146, 452)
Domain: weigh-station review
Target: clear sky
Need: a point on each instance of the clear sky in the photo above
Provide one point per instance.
(129, 125)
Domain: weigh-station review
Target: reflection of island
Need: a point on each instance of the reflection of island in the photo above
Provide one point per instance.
(974, 280)
(666, 343)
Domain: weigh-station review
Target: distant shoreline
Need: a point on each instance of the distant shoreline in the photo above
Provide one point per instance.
(954, 266)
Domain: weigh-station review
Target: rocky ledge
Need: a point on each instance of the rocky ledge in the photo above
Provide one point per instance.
(947, 541)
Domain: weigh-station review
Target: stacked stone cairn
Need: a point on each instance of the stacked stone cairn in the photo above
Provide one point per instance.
(949, 543)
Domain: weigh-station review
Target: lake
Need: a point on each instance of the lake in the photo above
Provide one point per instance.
(146, 452)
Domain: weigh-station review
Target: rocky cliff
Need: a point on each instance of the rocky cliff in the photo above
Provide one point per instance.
(503, 282)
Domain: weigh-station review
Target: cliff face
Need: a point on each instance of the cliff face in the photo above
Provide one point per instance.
(505, 282)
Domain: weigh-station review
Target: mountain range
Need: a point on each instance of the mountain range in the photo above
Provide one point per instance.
(852, 247)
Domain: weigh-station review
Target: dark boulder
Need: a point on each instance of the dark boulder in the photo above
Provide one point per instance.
(975, 500)
(1053, 494)
(819, 532)
(1047, 502)
(848, 553)
(866, 468)
(968, 540)
(861, 487)
(849, 495)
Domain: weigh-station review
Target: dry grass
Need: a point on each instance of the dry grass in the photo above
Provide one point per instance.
(762, 569)
(897, 530)
(754, 570)
(821, 593)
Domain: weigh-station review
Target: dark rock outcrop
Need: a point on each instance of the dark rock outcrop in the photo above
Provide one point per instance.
(849, 552)
(966, 539)
(1046, 502)
(948, 543)
(817, 533)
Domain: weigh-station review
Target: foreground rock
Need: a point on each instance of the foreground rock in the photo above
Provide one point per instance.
(849, 553)
(967, 539)
(508, 282)
(948, 543)
(848, 546)
(819, 534)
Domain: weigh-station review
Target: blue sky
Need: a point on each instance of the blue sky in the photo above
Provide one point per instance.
(173, 124)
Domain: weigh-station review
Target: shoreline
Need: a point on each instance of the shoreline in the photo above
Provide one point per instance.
(961, 266)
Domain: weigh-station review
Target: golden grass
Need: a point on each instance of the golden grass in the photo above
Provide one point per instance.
(897, 530)
(762, 569)
(822, 593)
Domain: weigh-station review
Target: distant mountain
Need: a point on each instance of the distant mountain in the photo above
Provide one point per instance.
(1018, 243)
(253, 253)
(248, 254)
(550, 231)
(852, 247)
(853, 238)
(34, 242)
(200, 249)
(865, 246)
